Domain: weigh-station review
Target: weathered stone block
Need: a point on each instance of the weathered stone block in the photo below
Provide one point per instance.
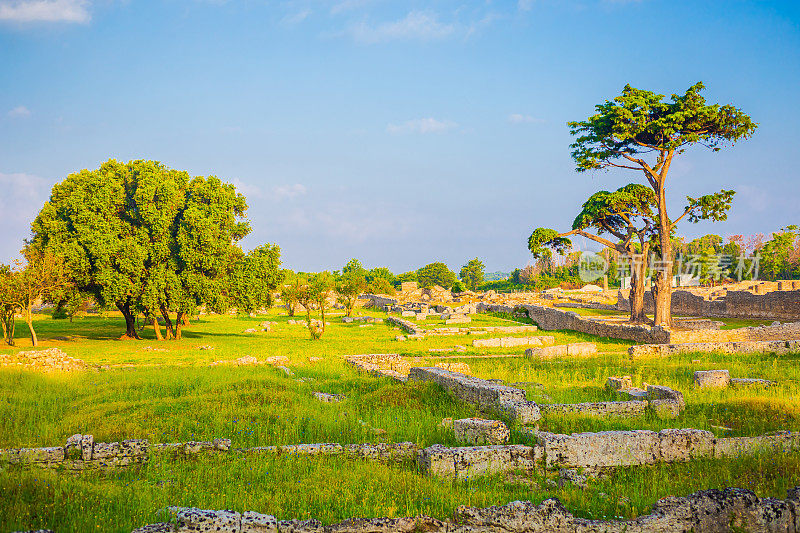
(712, 379)
(72, 448)
(87, 445)
(618, 383)
(523, 412)
(189, 519)
(659, 392)
(685, 444)
(106, 450)
(300, 526)
(41, 455)
(466, 462)
(598, 450)
(666, 408)
(253, 522)
(328, 397)
(630, 409)
(581, 349)
(479, 431)
(134, 447)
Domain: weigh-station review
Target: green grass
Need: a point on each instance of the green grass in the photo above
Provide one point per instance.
(175, 396)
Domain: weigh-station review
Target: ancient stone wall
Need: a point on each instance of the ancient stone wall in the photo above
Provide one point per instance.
(549, 319)
(761, 301)
(665, 350)
(597, 451)
(487, 395)
(707, 511)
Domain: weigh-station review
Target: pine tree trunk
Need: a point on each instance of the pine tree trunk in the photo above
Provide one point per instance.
(638, 273)
(663, 279)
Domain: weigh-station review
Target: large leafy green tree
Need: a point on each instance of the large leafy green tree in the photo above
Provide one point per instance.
(142, 237)
(350, 285)
(626, 215)
(472, 273)
(255, 277)
(643, 131)
(435, 274)
(8, 302)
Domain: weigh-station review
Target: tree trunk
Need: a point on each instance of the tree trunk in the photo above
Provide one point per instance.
(8, 327)
(638, 274)
(167, 323)
(29, 321)
(156, 327)
(322, 314)
(185, 319)
(179, 320)
(663, 279)
(130, 320)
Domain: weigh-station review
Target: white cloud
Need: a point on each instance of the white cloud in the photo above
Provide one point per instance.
(45, 11)
(19, 111)
(296, 18)
(519, 118)
(422, 125)
(416, 26)
(23, 196)
(348, 5)
(289, 191)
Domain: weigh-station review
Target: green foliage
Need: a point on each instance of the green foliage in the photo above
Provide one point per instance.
(436, 274)
(254, 278)
(457, 286)
(380, 273)
(141, 236)
(349, 286)
(472, 274)
(354, 266)
(542, 240)
(406, 276)
(780, 256)
(710, 206)
(8, 302)
(635, 122)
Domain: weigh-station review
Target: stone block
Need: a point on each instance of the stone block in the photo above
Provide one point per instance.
(486, 343)
(134, 448)
(300, 526)
(190, 519)
(408, 314)
(41, 455)
(629, 409)
(72, 448)
(327, 397)
(253, 522)
(581, 349)
(751, 382)
(666, 408)
(618, 383)
(712, 379)
(599, 450)
(106, 450)
(479, 431)
(522, 412)
(222, 445)
(660, 392)
(87, 445)
(679, 445)
(467, 462)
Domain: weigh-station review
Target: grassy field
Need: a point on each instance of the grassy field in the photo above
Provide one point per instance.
(167, 392)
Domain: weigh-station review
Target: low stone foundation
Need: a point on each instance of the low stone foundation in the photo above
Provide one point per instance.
(510, 342)
(478, 431)
(598, 451)
(487, 395)
(389, 365)
(665, 350)
(629, 409)
(574, 349)
(707, 511)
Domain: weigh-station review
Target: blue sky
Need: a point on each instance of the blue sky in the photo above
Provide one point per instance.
(397, 132)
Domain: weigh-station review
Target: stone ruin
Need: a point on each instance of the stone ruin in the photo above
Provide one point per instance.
(49, 360)
(707, 511)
